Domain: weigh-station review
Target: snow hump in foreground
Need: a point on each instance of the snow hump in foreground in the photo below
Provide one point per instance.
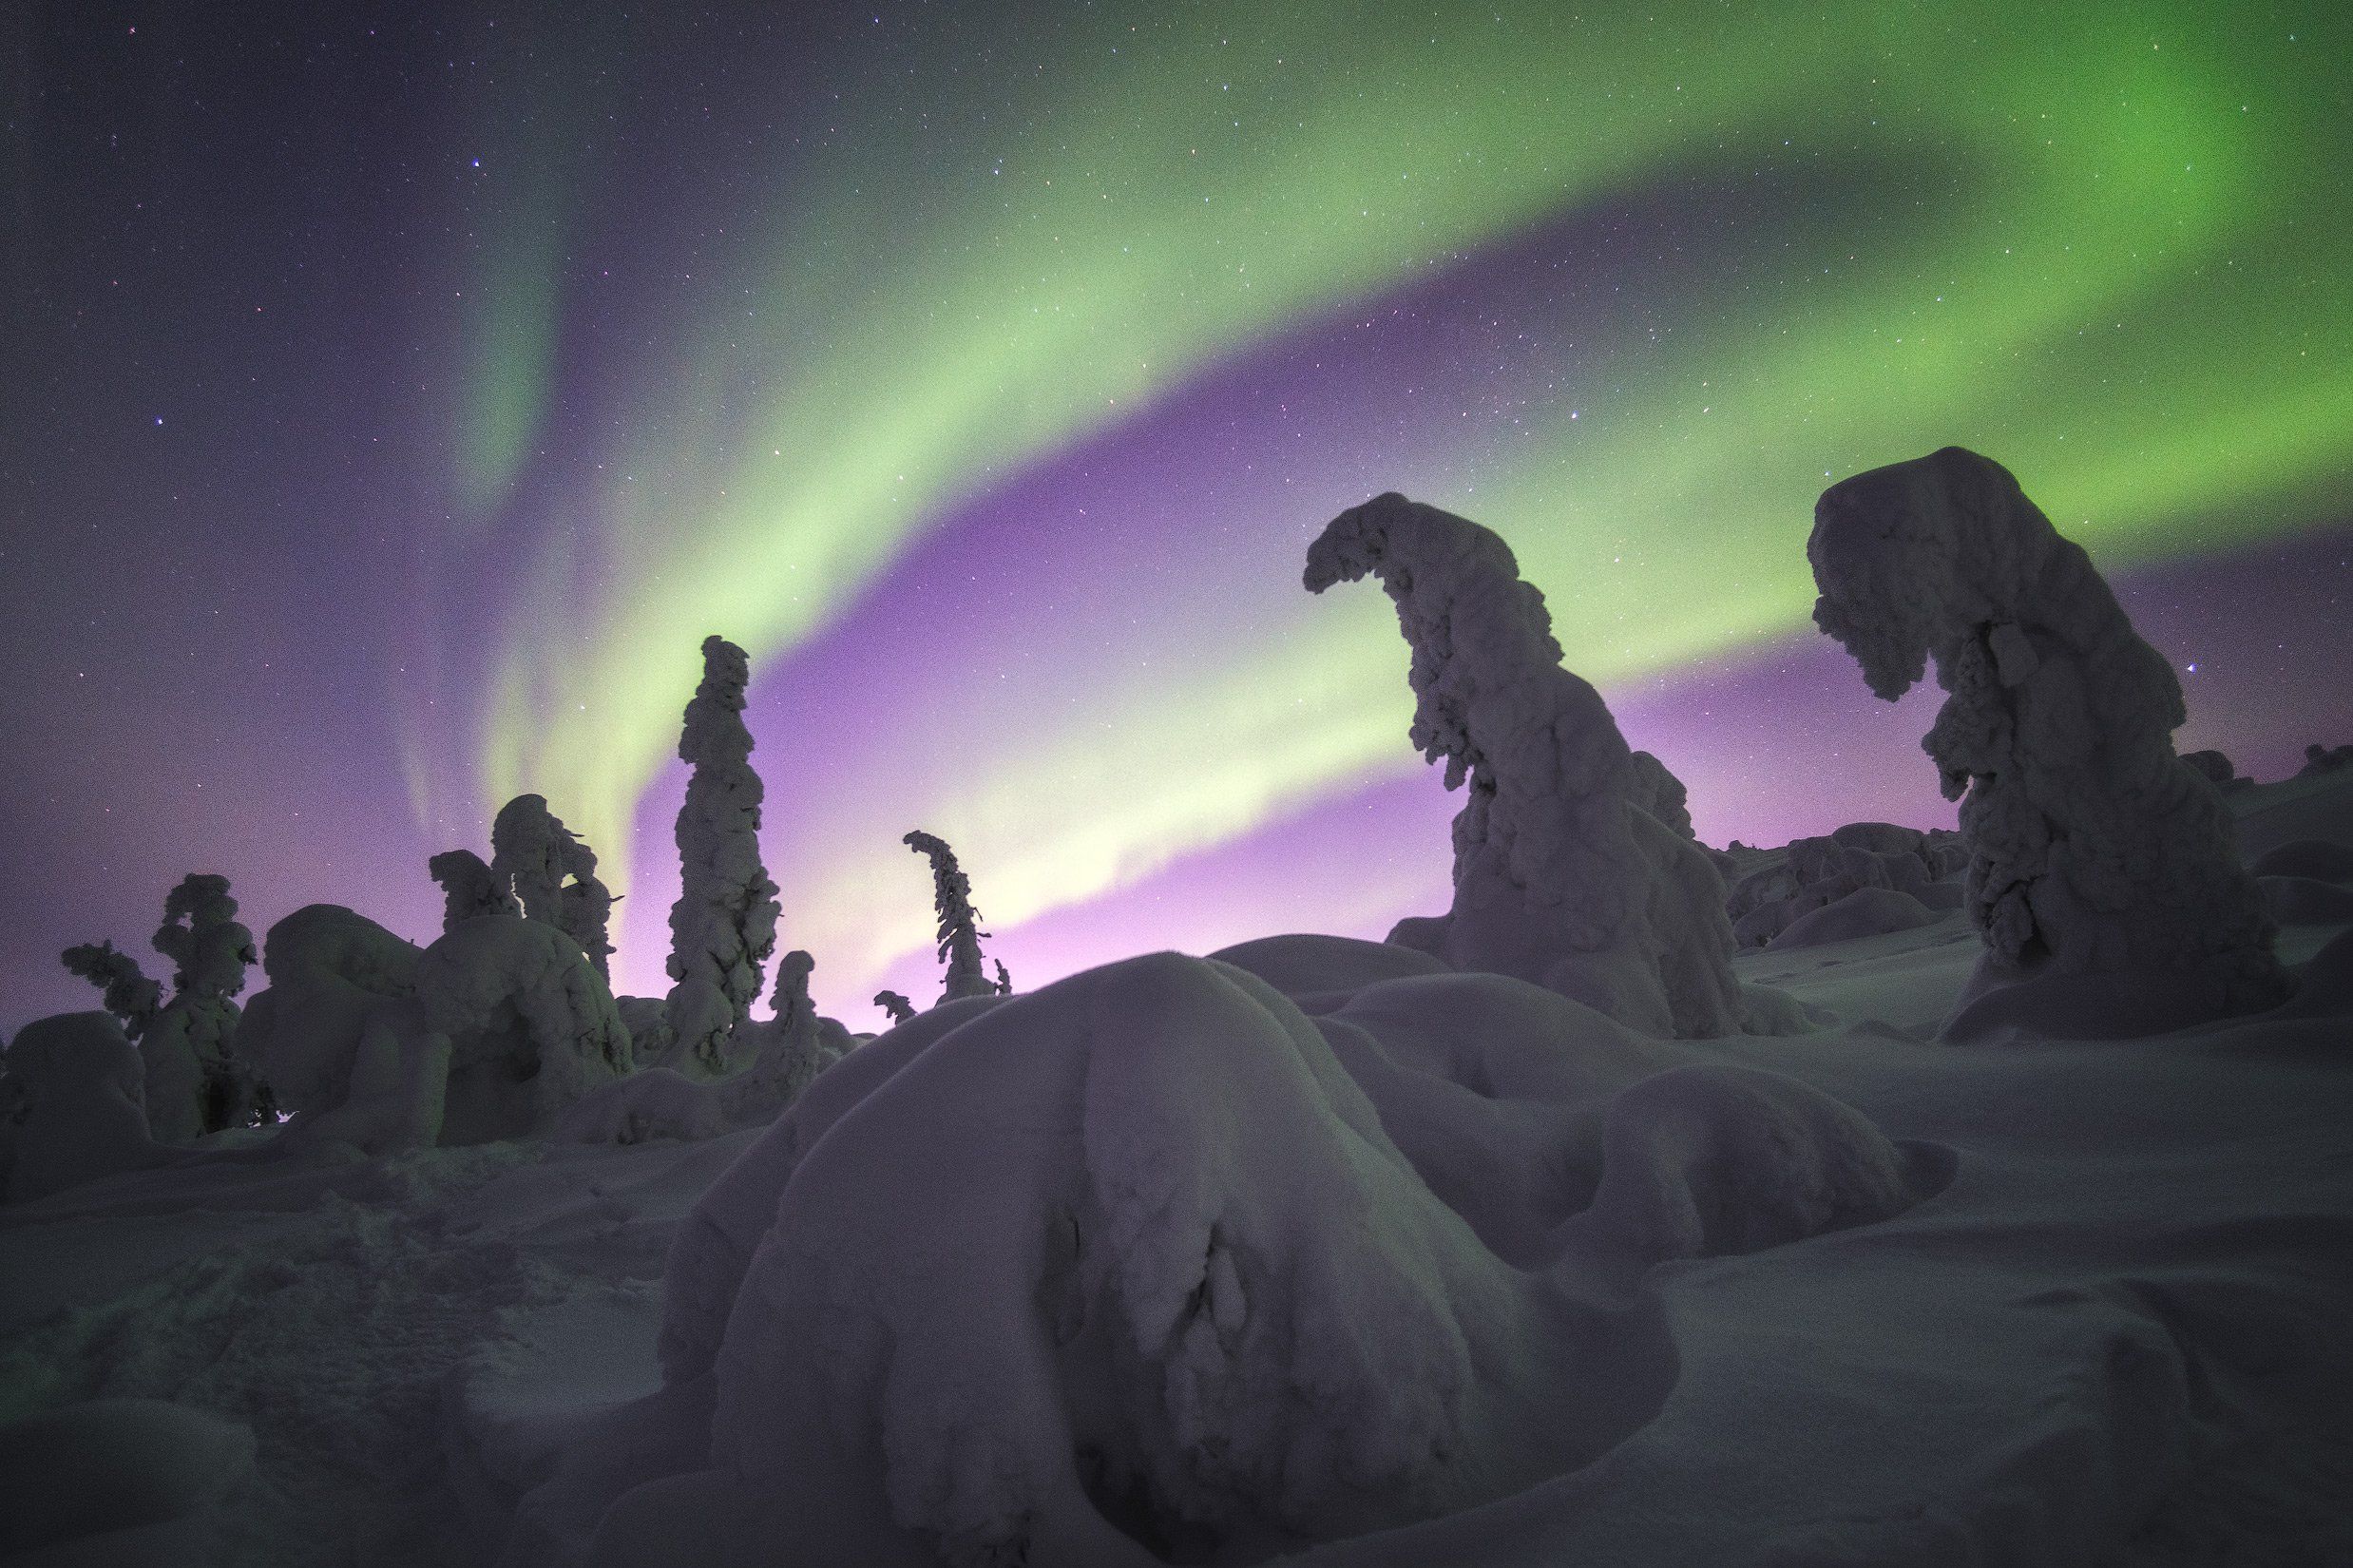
(1150, 1266)
(2094, 850)
(1563, 875)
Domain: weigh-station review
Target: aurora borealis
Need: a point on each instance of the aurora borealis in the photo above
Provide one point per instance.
(400, 395)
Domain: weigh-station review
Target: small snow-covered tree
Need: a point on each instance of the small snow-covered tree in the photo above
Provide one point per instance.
(1004, 980)
(127, 993)
(959, 931)
(470, 889)
(723, 925)
(2092, 847)
(1562, 876)
(792, 1001)
(896, 1006)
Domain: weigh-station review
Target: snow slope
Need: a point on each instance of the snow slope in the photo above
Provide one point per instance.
(1311, 1254)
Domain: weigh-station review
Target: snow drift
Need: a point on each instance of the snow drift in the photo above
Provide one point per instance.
(1132, 1269)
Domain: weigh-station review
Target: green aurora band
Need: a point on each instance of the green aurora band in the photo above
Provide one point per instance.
(2108, 244)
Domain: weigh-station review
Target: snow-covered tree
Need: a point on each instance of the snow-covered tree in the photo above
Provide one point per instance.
(129, 994)
(531, 853)
(723, 925)
(1658, 792)
(896, 1006)
(792, 1001)
(194, 1084)
(959, 931)
(1562, 876)
(468, 888)
(1004, 980)
(2093, 847)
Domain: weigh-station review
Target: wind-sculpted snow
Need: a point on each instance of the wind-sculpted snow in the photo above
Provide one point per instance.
(1562, 874)
(2094, 850)
(1150, 1265)
(723, 925)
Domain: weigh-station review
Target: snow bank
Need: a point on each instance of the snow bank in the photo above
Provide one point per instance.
(90, 1483)
(1562, 874)
(70, 1089)
(2094, 851)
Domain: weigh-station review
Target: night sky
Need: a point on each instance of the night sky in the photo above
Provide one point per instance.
(395, 397)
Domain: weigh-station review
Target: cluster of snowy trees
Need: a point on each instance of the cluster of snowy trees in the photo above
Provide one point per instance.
(2096, 864)
(505, 1025)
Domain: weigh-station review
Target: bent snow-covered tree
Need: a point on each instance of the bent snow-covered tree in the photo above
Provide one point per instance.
(129, 994)
(723, 925)
(1561, 875)
(960, 930)
(2093, 849)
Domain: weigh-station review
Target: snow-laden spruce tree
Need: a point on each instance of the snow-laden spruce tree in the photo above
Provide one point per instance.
(1561, 875)
(194, 1083)
(531, 853)
(723, 925)
(791, 999)
(959, 931)
(126, 992)
(2093, 850)
(896, 1006)
(468, 888)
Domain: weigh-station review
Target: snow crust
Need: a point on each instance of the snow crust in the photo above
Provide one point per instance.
(1562, 876)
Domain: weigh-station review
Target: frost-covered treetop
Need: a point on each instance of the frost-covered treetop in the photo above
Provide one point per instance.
(713, 732)
(959, 931)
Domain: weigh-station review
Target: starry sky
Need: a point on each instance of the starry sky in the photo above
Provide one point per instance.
(392, 397)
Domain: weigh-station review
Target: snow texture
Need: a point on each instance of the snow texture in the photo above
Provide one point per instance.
(1161, 1285)
(959, 932)
(468, 888)
(1563, 875)
(723, 925)
(2094, 850)
(70, 1088)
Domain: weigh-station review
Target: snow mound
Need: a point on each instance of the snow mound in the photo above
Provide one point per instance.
(97, 1477)
(1150, 1266)
(1782, 886)
(329, 970)
(70, 1112)
(1866, 911)
(1302, 965)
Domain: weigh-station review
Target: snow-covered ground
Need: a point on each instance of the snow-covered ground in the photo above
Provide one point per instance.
(1321, 1256)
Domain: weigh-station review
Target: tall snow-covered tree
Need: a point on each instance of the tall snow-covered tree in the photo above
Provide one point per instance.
(195, 1085)
(958, 934)
(1562, 876)
(723, 925)
(2092, 847)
